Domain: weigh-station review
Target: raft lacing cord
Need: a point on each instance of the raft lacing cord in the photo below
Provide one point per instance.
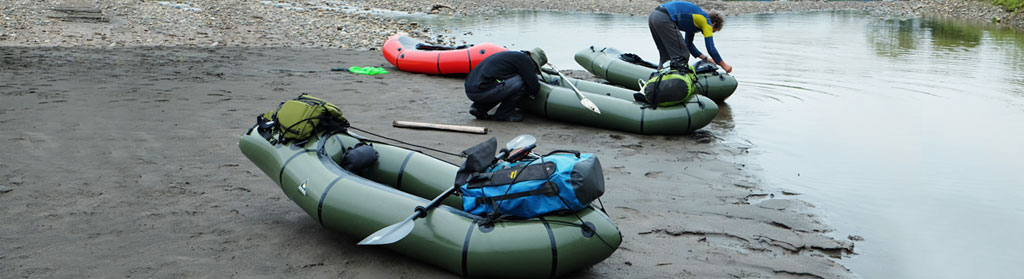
(409, 144)
(699, 86)
(567, 223)
(595, 228)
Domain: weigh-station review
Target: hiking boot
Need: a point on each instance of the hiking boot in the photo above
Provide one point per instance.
(481, 115)
(512, 117)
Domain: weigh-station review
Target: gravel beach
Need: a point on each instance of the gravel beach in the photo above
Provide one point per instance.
(134, 170)
(360, 25)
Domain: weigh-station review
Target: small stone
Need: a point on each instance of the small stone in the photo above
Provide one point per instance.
(5, 189)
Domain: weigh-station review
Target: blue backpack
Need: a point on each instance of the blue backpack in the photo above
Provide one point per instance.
(552, 184)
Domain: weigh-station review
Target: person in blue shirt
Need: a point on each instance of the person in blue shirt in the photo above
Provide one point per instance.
(667, 20)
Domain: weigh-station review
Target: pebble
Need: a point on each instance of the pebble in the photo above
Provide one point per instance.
(223, 23)
(5, 189)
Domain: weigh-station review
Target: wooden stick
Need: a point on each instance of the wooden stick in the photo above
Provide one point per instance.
(444, 127)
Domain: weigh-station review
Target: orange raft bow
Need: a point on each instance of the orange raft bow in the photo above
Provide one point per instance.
(412, 55)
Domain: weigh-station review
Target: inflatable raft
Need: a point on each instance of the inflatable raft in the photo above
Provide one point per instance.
(412, 55)
(388, 192)
(619, 111)
(605, 62)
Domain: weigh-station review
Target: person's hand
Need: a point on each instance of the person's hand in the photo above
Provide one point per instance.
(709, 60)
(726, 67)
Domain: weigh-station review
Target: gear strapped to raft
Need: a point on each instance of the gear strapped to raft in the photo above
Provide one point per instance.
(634, 59)
(299, 119)
(423, 46)
(671, 85)
(359, 157)
(560, 182)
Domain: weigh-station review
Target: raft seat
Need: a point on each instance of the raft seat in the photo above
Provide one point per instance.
(405, 170)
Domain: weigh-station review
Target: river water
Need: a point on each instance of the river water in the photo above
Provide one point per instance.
(908, 132)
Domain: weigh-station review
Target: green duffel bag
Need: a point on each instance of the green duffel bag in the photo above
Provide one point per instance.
(298, 119)
(669, 86)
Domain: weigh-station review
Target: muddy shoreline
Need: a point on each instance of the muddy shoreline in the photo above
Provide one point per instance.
(133, 171)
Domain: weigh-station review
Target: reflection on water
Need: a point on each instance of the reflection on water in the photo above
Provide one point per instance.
(945, 38)
(723, 121)
(894, 37)
(1011, 43)
(907, 131)
(953, 35)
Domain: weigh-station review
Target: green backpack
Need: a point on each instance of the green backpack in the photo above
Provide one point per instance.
(669, 86)
(298, 119)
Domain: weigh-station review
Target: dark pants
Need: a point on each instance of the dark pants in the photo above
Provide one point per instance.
(666, 36)
(507, 93)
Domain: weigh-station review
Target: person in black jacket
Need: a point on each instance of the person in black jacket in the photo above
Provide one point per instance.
(503, 78)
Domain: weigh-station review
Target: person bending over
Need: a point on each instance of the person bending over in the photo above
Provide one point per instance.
(503, 78)
(667, 20)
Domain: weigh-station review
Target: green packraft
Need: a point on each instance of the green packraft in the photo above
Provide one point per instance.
(300, 118)
(669, 86)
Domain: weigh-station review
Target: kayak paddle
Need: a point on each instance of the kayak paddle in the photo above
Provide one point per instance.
(583, 99)
(400, 230)
(395, 232)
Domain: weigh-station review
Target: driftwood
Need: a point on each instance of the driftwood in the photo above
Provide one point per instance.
(443, 127)
(81, 14)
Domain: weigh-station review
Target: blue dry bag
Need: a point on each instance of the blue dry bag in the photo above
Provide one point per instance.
(553, 184)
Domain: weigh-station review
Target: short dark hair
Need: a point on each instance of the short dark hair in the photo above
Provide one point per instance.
(717, 20)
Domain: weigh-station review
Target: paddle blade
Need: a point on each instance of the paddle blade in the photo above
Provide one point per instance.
(390, 234)
(590, 105)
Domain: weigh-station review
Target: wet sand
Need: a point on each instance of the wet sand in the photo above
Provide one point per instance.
(123, 162)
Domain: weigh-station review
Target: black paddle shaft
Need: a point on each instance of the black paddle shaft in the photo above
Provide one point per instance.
(434, 203)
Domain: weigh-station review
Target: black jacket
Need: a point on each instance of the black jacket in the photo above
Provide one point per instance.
(503, 65)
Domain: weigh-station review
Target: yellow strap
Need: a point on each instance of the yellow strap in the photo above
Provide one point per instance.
(702, 23)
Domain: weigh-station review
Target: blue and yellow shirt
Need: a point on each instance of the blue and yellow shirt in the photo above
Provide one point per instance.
(692, 19)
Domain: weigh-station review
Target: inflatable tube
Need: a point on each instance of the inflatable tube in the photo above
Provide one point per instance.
(605, 63)
(401, 180)
(402, 52)
(618, 109)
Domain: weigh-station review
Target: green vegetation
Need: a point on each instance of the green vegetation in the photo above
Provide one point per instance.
(1014, 6)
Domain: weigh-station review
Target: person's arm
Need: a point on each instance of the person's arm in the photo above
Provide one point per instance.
(689, 45)
(709, 43)
(704, 24)
(528, 70)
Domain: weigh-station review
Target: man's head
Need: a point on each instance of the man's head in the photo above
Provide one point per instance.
(538, 57)
(717, 21)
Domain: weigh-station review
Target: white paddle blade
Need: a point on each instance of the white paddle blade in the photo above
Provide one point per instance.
(390, 234)
(590, 105)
